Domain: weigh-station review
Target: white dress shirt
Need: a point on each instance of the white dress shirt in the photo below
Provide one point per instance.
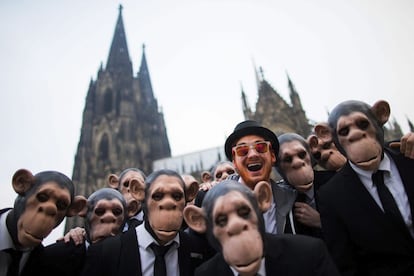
(392, 180)
(148, 258)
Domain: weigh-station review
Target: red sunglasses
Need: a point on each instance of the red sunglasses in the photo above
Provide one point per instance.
(259, 147)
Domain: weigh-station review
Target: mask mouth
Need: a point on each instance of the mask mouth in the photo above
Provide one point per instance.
(247, 266)
(254, 167)
(367, 161)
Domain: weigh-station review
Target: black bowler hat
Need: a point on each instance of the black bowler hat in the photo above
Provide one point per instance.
(250, 127)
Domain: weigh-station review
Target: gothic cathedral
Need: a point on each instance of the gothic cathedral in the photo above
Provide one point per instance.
(122, 126)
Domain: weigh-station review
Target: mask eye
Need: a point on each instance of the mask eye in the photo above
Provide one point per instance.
(244, 212)
(126, 184)
(117, 212)
(287, 159)
(343, 131)
(42, 197)
(302, 154)
(61, 205)
(317, 155)
(362, 124)
(221, 221)
(157, 196)
(99, 212)
(327, 145)
(177, 196)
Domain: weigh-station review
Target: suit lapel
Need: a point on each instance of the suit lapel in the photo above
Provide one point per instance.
(405, 168)
(367, 202)
(284, 198)
(130, 259)
(184, 254)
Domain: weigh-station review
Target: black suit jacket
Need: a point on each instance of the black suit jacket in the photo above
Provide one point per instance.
(63, 259)
(286, 255)
(360, 238)
(119, 255)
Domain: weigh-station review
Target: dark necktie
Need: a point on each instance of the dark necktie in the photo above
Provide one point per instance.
(301, 198)
(388, 203)
(16, 256)
(160, 268)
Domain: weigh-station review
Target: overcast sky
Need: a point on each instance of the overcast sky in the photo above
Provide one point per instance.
(199, 55)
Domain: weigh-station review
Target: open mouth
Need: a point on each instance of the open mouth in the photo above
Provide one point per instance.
(253, 167)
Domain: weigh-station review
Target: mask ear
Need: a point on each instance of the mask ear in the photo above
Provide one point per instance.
(323, 131)
(137, 189)
(313, 141)
(263, 193)
(113, 181)
(77, 206)
(22, 181)
(191, 191)
(382, 111)
(194, 217)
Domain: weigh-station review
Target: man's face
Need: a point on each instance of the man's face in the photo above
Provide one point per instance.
(235, 226)
(296, 164)
(254, 166)
(165, 202)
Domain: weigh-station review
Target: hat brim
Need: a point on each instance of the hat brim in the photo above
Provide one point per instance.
(252, 130)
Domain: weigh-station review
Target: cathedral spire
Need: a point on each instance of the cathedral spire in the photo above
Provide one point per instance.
(246, 107)
(118, 60)
(144, 78)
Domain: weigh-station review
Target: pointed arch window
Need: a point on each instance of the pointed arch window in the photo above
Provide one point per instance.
(108, 101)
(103, 154)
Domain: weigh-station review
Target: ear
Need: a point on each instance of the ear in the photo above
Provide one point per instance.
(313, 141)
(263, 193)
(133, 208)
(382, 111)
(323, 131)
(194, 217)
(84, 211)
(191, 191)
(137, 189)
(77, 206)
(113, 181)
(22, 181)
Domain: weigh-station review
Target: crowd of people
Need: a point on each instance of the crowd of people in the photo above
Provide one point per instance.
(342, 205)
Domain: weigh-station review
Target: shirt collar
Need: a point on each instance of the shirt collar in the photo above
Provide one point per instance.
(385, 165)
(5, 238)
(145, 239)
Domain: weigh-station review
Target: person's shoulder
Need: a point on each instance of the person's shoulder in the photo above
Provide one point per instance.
(297, 246)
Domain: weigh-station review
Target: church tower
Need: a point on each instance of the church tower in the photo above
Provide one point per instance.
(122, 125)
(274, 112)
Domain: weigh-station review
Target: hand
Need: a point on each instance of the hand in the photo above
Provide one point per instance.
(76, 234)
(207, 185)
(307, 215)
(406, 145)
